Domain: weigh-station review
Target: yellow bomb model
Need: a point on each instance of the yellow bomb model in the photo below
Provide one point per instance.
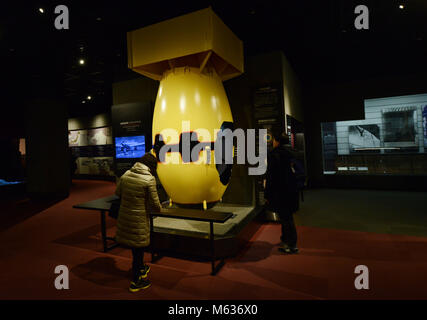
(190, 55)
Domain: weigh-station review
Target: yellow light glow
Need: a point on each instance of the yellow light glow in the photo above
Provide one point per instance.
(401, 6)
(89, 97)
(213, 101)
(41, 10)
(197, 98)
(182, 103)
(163, 105)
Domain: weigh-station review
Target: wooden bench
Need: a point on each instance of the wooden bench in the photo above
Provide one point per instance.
(104, 205)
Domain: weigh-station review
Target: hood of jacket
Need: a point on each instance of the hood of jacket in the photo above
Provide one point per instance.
(140, 168)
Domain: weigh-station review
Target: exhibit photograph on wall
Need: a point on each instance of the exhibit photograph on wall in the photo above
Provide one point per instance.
(92, 150)
(130, 147)
(77, 138)
(90, 137)
(387, 141)
(364, 138)
(100, 136)
(99, 166)
(400, 127)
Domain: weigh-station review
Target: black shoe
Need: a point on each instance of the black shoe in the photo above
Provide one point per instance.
(288, 250)
(139, 285)
(285, 250)
(294, 250)
(144, 272)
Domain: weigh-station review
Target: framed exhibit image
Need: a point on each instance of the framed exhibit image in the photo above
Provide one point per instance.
(90, 137)
(102, 166)
(93, 151)
(391, 139)
(399, 125)
(364, 138)
(100, 136)
(77, 138)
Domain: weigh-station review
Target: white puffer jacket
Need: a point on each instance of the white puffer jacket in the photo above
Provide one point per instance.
(138, 193)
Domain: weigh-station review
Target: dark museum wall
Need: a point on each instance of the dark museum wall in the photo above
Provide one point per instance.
(48, 159)
(274, 68)
(268, 69)
(135, 90)
(291, 91)
(326, 103)
(99, 120)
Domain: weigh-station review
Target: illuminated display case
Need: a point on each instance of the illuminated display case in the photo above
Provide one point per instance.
(391, 140)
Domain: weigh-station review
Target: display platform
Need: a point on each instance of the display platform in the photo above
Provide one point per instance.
(177, 236)
(199, 228)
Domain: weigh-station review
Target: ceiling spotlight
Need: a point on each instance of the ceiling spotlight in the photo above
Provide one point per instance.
(41, 10)
(84, 101)
(89, 97)
(81, 62)
(401, 6)
(98, 19)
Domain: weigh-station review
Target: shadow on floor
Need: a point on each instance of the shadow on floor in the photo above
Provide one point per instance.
(103, 272)
(256, 251)
(313, 286)
(87, 238)
(18, 210)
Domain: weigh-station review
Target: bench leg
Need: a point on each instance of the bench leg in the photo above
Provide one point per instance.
(154, 255)
(215, 269)
(103, 231)
(105, 246)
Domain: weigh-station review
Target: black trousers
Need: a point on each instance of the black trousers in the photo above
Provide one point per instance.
(137, 262)
(289, 231)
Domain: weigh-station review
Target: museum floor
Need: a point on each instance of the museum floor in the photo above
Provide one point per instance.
(338, 230)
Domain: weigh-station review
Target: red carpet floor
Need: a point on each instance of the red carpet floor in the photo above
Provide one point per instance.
(59, 235)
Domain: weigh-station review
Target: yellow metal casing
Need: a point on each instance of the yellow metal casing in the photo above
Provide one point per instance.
(197, 101)
(197, 39)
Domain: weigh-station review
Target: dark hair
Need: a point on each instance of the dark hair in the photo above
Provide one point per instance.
(280, 136)
(151, 162)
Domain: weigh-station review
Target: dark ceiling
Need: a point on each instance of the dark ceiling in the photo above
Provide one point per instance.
(318, 37)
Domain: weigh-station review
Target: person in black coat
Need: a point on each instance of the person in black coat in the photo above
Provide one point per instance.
(281, 192)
